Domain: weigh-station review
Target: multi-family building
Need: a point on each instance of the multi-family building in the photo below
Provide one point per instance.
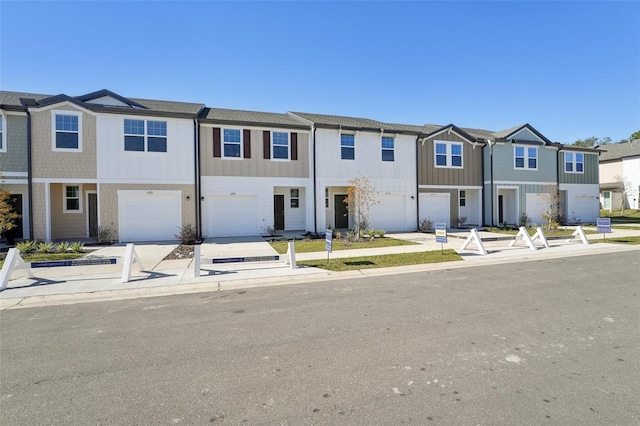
(620, 176)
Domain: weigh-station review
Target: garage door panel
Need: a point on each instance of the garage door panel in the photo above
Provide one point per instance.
(232, 215)
(149, 217)
(389, 213)
(435, 207)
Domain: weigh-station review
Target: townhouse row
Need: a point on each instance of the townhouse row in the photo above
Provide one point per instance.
(143, 168)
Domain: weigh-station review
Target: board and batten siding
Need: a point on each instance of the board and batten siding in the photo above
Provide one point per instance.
(176, 166)
(469, 175)
(256, 165)
(15, 157)
(590, 167)
(504, 164)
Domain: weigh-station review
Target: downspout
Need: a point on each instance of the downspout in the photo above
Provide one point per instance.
(196, 177)
(492, 196)
(558, 179)
(483, 201)
(29, 174)
(417, 184)
(315, 198)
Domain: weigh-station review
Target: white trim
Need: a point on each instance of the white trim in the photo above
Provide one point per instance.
(525, 157)
(448, 187)
(16, 174)
(65, 198)
(448, 154)
(222, 156)
(574, 163)
(61, 180)
(3, 124)
(272, 146)
(86, 195)
(448, 130)
(54, 130)
(521, 182)
(148, 192)
(47, 209)
(14, 181)
(265, 127)
(63, 103)
(497, 205)
(145, 136)
(20, 113)
(382, 149)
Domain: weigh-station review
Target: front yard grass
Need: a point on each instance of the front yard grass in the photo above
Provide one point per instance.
(619, 240)
(39, 257)
(383, 261)
(547, 233)
(308, 246)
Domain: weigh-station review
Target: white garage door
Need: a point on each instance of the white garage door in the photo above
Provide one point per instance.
(149, 215)
(583, 208)
(435, 206)
(232, 215)
(389, 213)
(537, 206)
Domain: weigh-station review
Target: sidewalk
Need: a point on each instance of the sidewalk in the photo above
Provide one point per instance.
(164, 277)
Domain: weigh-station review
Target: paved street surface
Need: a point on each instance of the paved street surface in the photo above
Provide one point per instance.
(554, 341)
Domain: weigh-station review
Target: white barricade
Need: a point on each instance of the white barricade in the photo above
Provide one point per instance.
(290, 258)
(579, 232)
(475, 238)
(524, 235)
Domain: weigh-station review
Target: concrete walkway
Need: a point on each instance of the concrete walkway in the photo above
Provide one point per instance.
(163, 277)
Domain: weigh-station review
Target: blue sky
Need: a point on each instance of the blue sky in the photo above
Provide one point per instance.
(570, 69)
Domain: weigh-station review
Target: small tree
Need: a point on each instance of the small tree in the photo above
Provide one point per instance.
(553, 215)
(623, 186)
(360, 198)
(7, 215)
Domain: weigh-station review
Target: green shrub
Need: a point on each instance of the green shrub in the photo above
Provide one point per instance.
(62, 247)
(26, 247)
(380, 233)
(77, 247)
(44, 247)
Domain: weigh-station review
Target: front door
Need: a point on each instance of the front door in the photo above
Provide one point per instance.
(500, 210)
(93, 214)
(15, 202)
(278, 212)
(341, 212)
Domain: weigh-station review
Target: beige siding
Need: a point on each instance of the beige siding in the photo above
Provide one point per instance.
(469, 175)
(609, 172)
(68, 165)
(453, 200)
(68, 225)
(108, 195)
(255, 166)
(39, 213)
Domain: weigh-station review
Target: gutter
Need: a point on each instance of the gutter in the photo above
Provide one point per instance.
(196, 177)
(492, 195)
(315, 198)
(484, 195)
(417, 183)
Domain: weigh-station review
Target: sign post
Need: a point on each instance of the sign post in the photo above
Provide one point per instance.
(328, 240)
(441, 235)
(604, 226)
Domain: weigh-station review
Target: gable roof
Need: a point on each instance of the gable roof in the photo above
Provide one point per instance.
(12, 100)
(251, 118)
(616, 151)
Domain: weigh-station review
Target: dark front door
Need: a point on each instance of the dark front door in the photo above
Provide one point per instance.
(341, 212)
(93, 215)
(500, 210)
(15, 202)
(278, 212)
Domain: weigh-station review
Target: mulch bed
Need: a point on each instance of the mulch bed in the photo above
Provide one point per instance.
(183, 251)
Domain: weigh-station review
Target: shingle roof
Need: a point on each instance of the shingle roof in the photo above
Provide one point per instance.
(170, 106)
(616, 151)
(252, 117)
(13, 98)
(340, 121)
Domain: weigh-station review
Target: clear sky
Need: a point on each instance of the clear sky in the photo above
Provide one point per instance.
(570, 69)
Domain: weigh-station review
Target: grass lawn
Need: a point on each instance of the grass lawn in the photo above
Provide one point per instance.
(308, 246)
(626, 216)
(618, 240)
(39, 257)
(547, 233)
(383, 261)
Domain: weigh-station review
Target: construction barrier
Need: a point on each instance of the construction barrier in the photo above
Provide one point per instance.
(198, 261)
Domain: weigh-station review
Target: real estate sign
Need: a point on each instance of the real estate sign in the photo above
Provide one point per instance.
(328, 240)
(604, 225)
(441, 232)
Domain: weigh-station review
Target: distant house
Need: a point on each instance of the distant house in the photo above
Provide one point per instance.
(620, 176)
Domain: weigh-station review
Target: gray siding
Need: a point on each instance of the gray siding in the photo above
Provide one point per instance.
(590, 175)
(469, 175)
(255, 166)
(15, 159)
(504, 168)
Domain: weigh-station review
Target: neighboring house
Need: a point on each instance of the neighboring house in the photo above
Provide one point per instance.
(255, 173)
(102, 161)
(620, 176)
(14, 157)
(450, 178)
(348, 147)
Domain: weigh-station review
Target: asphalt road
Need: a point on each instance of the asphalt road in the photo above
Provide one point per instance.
(547, 342)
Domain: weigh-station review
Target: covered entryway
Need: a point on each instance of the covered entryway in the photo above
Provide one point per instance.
(435, 206)
(389, 213)
(341, 212)
(507, 206)
(149, 215)
(232, 215)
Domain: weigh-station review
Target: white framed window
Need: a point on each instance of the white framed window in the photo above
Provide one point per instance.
(3, 134)
(280, 147)
(347, 146)
(295, 198)
(71, 199)
(145, 135)
(606, 200)
(574, 162)
(448, 154)
(525, 157)
(231, 143)
(388, 149)
(66, 128)
(463, 198)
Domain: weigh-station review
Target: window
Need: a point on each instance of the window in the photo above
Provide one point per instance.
(3, 144)
(463, 198)
(347, 147)
(295, 198)
(574, 163)
(67, 130)
(232, 143)
(387, 148)
(526, 157)
(72, 199)
(326, 198)
(606, 202)
(280, 146)
(448, 154)
(154, 139)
